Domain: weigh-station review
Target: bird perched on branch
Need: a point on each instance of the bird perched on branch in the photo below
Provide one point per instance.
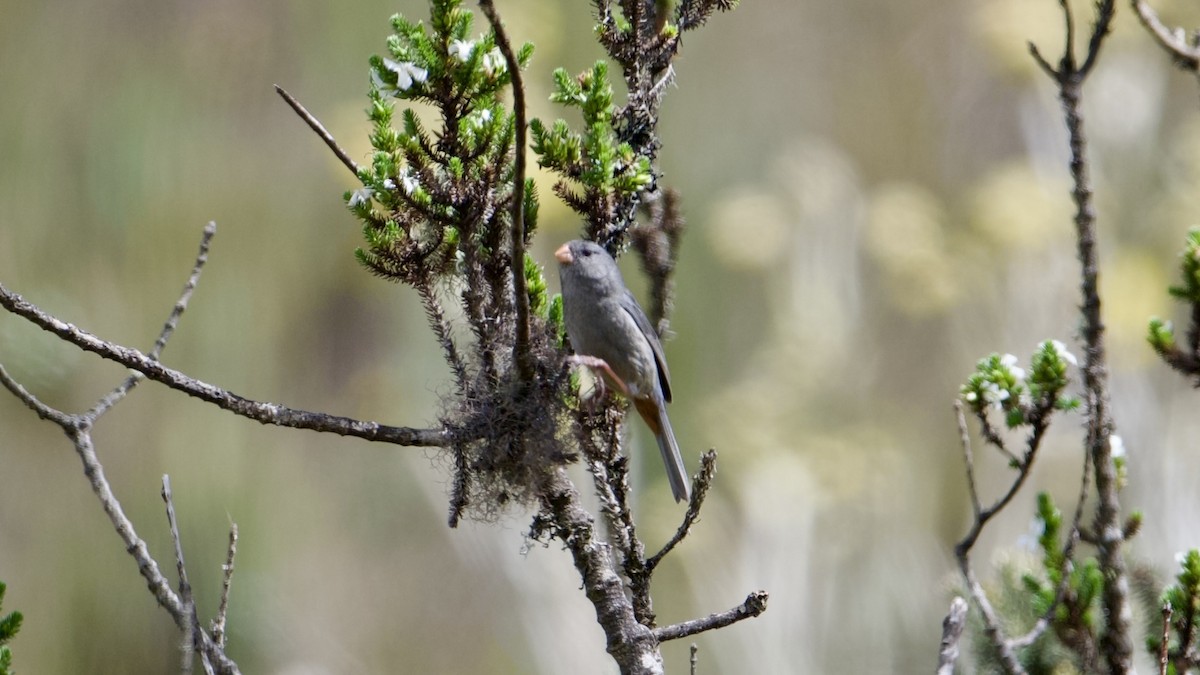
(611, 335)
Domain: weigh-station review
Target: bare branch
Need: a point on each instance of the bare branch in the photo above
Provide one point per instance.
(181, 607)
(43, 411)
(1173, 41)
(1105, 11)
(752, 606)
(218, 624)
(191, 624)
(965, 442)
(315, 124)
(700, 485)
(266, 413)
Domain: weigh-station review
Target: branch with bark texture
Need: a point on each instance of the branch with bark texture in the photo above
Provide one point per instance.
(266, 413)
(77, 427)
(1175, 42)
(1116, 645)
(1107, 532)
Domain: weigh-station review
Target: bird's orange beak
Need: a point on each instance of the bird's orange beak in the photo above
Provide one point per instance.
(563, 254)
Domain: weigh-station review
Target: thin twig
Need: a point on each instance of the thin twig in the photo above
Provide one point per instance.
(964, 438)
(136, 547)
(43, 411)
(315, 124)
(218, 625)
(991, 623)
(752, 606)
(521, 352)
(266, 413)
(700, 485)
(982, 517)
(185, 587)
(114, 397)
(694, 658)
(1174, 42)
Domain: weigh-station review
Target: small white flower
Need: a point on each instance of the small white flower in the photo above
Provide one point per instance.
(408, 181)
(1064, 354)
(361, 196)
(461, 49)
(1116, 446)
(993, 394)
(493, 62)
(478, 120)
(406, 73)
(1180, 557)
(1009, 361)
(389, 183)
(971, 397)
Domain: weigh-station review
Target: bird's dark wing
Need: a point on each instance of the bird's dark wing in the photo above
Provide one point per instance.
(631, 306)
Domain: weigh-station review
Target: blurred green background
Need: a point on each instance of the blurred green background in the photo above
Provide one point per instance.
(876, 196)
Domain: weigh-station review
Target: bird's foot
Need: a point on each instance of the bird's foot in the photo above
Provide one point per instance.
(604, 374)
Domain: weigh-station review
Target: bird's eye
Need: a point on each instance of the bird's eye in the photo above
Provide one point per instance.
(585, 252)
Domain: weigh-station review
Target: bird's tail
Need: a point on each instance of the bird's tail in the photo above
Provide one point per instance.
(656, 417)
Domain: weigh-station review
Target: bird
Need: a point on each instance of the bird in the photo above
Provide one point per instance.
(611, 334)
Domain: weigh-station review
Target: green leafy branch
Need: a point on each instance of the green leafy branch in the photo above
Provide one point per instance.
(1162, 333)
(432, 201)
(1069, 594)
(9, 625)
(1183, 598)
(1026, 399)
(606, 170)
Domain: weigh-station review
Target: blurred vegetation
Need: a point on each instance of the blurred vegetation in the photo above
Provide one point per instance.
(876, 195)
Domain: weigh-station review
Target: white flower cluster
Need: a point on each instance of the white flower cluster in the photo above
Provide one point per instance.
(408, 183)
(1064, 354)
(493, 61)
(406, 72)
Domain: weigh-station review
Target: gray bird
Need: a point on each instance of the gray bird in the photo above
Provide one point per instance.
(611, 334)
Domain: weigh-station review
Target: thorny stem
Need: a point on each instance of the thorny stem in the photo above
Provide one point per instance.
(1115, 642)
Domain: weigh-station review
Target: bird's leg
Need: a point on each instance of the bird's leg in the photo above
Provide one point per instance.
(600, 365)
